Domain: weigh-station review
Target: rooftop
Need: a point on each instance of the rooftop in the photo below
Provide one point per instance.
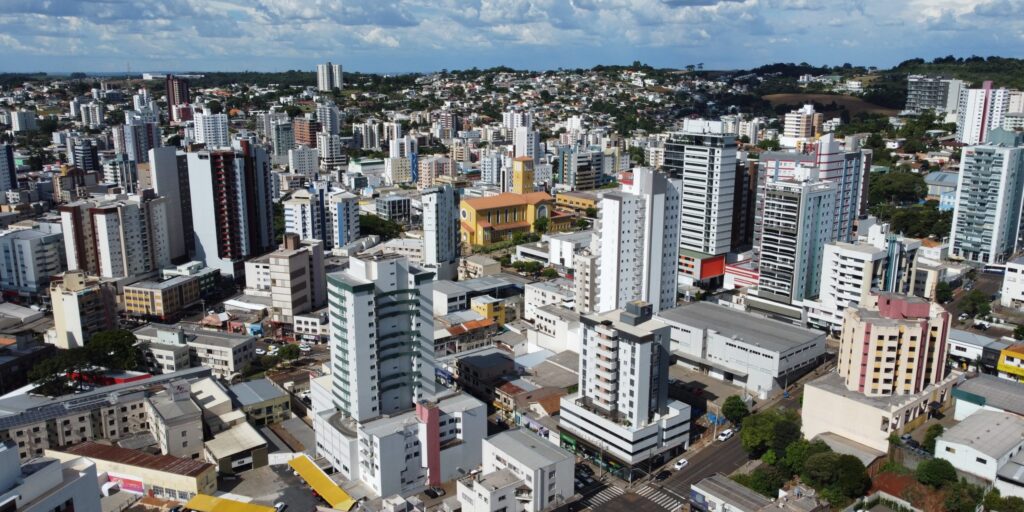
(740, 325)
(993, 433)
(170, 409)
(193, 335)
(506, 200)
(969, 338)
(994, 392)
(237, 439)
(739, 498)
(499, 479)
(162, 284)
(165, 463)
(529, 449)
(256, 391)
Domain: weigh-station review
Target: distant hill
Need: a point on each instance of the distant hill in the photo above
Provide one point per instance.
(1003, 71)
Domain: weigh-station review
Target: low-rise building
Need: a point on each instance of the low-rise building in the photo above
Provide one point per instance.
(521, 473)
(982, 443)
(163, 300)
(721, 493)
(262, 402)
(225, 353)
(237, 449)
(133, 471)
(555, 328)
(964, 348)
(45, 484)
(176, 421)
(987, 393)
(82, 306)
(539, 294)
(477, 265)
(1012, 294)
(757, 353)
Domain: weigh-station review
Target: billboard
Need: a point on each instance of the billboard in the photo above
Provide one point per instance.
(127, 483)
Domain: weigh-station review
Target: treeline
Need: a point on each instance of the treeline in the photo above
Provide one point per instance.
(1003, 71)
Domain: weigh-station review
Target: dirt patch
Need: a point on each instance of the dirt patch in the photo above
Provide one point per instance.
(851, 103)
(908, 488)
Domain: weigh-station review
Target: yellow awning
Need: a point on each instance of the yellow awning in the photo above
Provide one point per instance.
(335, 496)
(207, 503)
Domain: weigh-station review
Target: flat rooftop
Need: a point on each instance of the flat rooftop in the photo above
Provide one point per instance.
(738, 497)
(193, 335)
(256, 391)
(239, 438)
(528, 448)
(740, 325)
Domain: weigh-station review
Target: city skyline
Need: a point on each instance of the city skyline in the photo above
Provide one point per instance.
(416, 35)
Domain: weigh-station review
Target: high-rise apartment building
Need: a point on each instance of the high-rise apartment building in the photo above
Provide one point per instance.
(639, 242)
(28, 259)
(440, 231)
(304, 160)
(329, 77)
(893, 345)
(136, 137)
(212, 129)
(177, 93)
(8, 172)
(304, 214)
(83, 153)
(122, 236)
(622, 409)
(331, 152)
(91, 114)
(526, 142)
(381, 336)
(122, 172)
(367, 134)
(282, 138)
(295, 277)
(329, 117)
(168, 176)
(979, 112)
(989, 198)
(305, 130)
(798, 125)
(703, 158)
(232, 212)
(941, 95)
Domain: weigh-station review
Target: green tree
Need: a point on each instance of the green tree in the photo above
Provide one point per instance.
(214, 106)
(851, 478)
(289, 352)
(114, 349)
(769, 145)
(935, 472)
(735, 409)
(591, 212)
(930, 435)
(799, 451)
(766, 480)
(770, 429)
(549, 273)
(374, 225)
(819, 469)
(943, 292)
(540, 225)
(896, 188)
(976, 303)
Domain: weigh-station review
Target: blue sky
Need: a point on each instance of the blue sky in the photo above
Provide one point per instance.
(424, 35)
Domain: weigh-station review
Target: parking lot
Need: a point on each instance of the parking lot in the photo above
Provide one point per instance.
(272, 484)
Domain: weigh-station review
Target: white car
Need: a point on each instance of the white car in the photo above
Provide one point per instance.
(304, 348)
(260, 352)
(726, 435)
(680, 464)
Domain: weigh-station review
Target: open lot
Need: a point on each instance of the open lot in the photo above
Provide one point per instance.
(852, 103)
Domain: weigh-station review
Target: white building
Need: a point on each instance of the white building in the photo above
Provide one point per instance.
(704, 157)
(330, 117)
(212, 129)
(304, 214)
(45, 484)
(292, 276)
(982, 443)
(1012, 293)
(30, 258)
(342, 219)
(225, 354)
(304, 160)
(542, 293)
(397, 170)
(25, 120)
(168, 175)
(555, 328)
(329, 76)
(622, 408)
(639, 244)
(521, 472)
(979, 112)
(331, 152)
(989, 198)
(758, 354)
(440, 231)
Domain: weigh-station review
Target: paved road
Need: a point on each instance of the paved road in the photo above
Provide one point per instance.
(721, 457)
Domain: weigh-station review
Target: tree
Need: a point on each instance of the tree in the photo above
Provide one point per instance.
(771, 429)
(819, 469)
(1018, 332)
(214, 106)
(943, 292)
(114, 350)
(897, 188)
(766, 480)
(289, 352)
(374, 225)
(769, 145)
(541, 225)
(549, 273)
(976, 303)
(591, 212)
(735, 409)
(930, 435)
(799, 451)
(851, 478)
(935, 472)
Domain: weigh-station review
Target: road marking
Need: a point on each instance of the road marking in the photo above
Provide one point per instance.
(607, 494)
(659, 498)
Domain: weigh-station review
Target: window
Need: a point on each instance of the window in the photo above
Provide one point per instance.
(981, 460)
(950, 449)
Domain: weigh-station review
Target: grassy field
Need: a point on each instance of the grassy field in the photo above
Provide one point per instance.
(852, 103)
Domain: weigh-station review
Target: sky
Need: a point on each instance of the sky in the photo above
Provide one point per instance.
(62, 36)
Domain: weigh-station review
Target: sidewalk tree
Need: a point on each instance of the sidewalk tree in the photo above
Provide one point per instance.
(735, 409)
(289, 352)
(930, 435)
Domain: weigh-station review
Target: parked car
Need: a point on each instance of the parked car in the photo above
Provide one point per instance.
(434, 492)
(726, 435)
(305, 348)
(680, 464)
(662, 475)
(280, 506)
(260, 352)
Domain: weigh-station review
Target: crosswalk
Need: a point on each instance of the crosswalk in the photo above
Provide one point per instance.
(604, 496)
(660, 498)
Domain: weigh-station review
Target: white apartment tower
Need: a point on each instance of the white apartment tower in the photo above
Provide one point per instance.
(704, 159)
(304, 215)
(440, 231)
(342, 219)
(305, 161)
(330, 117)
(212, 129)
(980, 111)
(987, 215)
(639, 243)
(381, 337)
(329, 77)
